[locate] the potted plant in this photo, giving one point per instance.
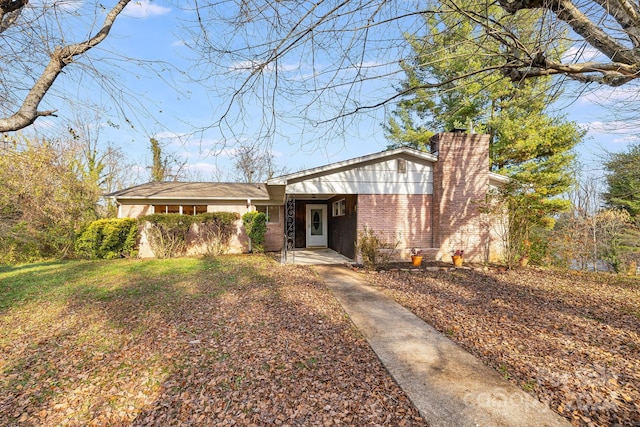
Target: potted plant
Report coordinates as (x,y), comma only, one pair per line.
(457,257)
(416,257)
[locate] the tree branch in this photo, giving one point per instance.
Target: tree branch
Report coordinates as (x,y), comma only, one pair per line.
(9,12)
(60,58)
(625,65)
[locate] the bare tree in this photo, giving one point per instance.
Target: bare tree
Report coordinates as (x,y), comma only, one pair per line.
(35,50)
(316,60)
(610,27)
(254,163)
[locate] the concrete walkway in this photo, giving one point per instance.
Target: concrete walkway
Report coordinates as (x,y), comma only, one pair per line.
(449,386)
(315,256)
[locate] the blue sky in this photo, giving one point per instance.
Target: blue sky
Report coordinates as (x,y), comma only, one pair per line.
(170,106)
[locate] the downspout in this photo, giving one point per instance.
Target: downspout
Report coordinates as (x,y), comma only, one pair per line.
(433,204)
(249,210)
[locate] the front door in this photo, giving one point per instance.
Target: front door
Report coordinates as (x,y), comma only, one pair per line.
(316,226)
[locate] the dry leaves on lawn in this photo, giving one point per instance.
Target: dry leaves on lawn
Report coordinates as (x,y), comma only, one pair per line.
(234,341)
(570,338)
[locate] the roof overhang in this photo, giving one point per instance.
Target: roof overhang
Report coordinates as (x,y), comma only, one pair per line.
(397,152)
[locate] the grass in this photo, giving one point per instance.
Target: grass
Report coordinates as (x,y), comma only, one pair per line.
(61,321)
(169,342)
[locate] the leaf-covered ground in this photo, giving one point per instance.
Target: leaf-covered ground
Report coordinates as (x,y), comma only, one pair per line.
(232,341)
(570,338)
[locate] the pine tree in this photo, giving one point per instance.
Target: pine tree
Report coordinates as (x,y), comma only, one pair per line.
(527,144)
(623,181)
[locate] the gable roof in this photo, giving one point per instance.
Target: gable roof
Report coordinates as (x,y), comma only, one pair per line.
(193,190)
(396,152)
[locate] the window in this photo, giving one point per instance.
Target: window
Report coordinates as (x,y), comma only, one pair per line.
(339,208)
(271,211)
(194,210)
(159,209)
(178,209)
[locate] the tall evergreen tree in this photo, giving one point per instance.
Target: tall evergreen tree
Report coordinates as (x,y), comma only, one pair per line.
(527,143)
(623,181)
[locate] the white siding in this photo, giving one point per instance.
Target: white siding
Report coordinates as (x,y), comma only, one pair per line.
(376,178)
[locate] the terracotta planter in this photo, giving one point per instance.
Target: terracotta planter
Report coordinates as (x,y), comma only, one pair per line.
(416,260)
(457,260)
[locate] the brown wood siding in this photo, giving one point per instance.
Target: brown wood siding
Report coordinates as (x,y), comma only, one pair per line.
(301,213)
(342,229)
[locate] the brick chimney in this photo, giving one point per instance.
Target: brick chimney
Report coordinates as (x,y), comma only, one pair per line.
(460,184)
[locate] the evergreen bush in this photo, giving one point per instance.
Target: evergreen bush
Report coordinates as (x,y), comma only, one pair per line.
(167,233)
(108,239)
(255,223)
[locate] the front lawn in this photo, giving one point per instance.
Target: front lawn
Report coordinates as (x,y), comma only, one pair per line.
(234,340)
(572,339)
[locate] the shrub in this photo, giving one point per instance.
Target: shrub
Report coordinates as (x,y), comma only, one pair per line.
(374,250)
(108,239)
(167,233)
(215,231)
(256,225)
(169,236)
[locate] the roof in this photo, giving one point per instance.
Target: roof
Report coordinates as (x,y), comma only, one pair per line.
(194,190)
(282,180)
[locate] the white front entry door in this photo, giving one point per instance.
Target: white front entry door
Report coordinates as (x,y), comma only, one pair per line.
(316,226)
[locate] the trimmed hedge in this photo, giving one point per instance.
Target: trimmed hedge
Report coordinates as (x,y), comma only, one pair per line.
(108,239)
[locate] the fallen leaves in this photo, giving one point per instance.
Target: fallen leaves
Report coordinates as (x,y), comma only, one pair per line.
(232,341)
(572,339)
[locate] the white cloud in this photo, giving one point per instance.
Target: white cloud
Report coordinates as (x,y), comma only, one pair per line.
(206,169)
(144,8)
(251,65)
(69,5)
(618,127)
(613,96)
(627,139)
(581,53)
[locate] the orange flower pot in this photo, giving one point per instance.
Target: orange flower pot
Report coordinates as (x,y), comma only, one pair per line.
(457,260)
(416,260)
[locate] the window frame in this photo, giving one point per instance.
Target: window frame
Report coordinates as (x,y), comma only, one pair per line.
(339,208)
(181,209)
(268,211)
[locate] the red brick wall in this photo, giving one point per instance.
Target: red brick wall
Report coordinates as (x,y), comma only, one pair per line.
(398,217)
(461,181)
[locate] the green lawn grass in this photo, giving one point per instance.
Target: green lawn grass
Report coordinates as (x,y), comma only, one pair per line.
(67,328)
